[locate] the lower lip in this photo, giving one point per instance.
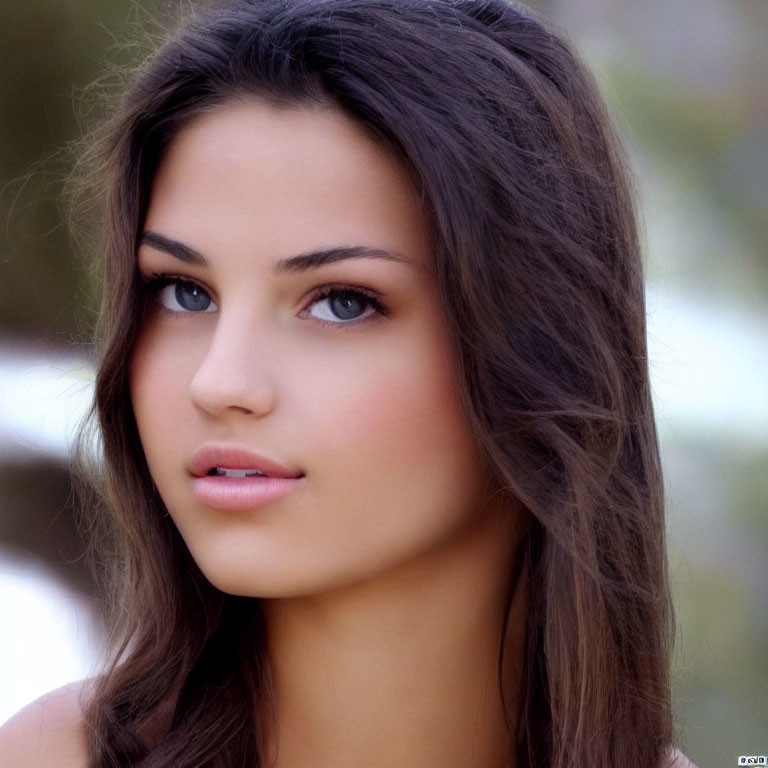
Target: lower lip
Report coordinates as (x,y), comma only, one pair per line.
(241,494)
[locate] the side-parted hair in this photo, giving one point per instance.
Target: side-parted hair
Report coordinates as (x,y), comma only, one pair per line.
(538,265)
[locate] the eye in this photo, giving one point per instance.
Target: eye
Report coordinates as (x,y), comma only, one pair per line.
(344,306)
(180,295)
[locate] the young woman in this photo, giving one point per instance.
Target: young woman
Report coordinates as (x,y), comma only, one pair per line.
(381,479)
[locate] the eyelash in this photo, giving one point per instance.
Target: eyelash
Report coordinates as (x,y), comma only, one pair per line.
(156,282)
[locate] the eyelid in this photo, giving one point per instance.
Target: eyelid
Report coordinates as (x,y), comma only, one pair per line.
(372,296)
(155,278)
(156,281)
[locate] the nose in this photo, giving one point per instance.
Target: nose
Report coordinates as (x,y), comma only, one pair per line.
(235,374)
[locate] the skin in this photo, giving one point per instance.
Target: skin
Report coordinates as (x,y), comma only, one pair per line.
(383,578)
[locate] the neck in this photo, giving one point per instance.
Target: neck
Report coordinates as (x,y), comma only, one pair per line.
(403,669)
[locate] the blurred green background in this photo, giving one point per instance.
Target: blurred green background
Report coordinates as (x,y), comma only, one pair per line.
(685,81)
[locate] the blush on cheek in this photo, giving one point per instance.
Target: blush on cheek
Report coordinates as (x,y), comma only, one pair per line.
(409,416)
(157,382)
(162,365)
(143,373)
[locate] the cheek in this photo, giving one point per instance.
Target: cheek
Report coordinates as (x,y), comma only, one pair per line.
(409,413)
(395,423)
(161,368)
(398,472)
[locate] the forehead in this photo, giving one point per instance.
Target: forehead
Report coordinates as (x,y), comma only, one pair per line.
(290,178)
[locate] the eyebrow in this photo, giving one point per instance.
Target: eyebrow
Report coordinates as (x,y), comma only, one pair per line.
(300,263)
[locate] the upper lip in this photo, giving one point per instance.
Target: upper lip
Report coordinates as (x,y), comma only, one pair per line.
(234,456)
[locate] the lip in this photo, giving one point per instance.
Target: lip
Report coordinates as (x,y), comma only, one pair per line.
(242,494)
(239,494)
(235,456)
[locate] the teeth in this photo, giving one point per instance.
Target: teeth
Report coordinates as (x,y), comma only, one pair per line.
(226,472)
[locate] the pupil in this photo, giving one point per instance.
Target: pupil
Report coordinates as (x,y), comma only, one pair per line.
(192,297)
(344,301)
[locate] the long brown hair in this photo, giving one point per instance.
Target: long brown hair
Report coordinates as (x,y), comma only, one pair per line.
(537,260)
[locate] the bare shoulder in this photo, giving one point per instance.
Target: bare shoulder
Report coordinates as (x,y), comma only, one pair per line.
(48,732)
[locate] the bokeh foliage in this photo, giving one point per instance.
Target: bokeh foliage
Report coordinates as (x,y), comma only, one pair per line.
(62,63)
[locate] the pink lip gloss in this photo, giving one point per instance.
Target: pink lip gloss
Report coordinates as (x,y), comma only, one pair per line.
(242,494)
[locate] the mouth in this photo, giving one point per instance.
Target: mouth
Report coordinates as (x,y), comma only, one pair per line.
(237,473)
(237,461)
(235,479)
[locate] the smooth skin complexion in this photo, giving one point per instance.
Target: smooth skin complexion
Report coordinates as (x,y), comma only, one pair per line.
(383,574)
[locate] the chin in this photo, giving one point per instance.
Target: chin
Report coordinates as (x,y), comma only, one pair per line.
(275,582)
(243,583)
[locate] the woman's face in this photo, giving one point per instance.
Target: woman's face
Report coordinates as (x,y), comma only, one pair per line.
(237,357)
